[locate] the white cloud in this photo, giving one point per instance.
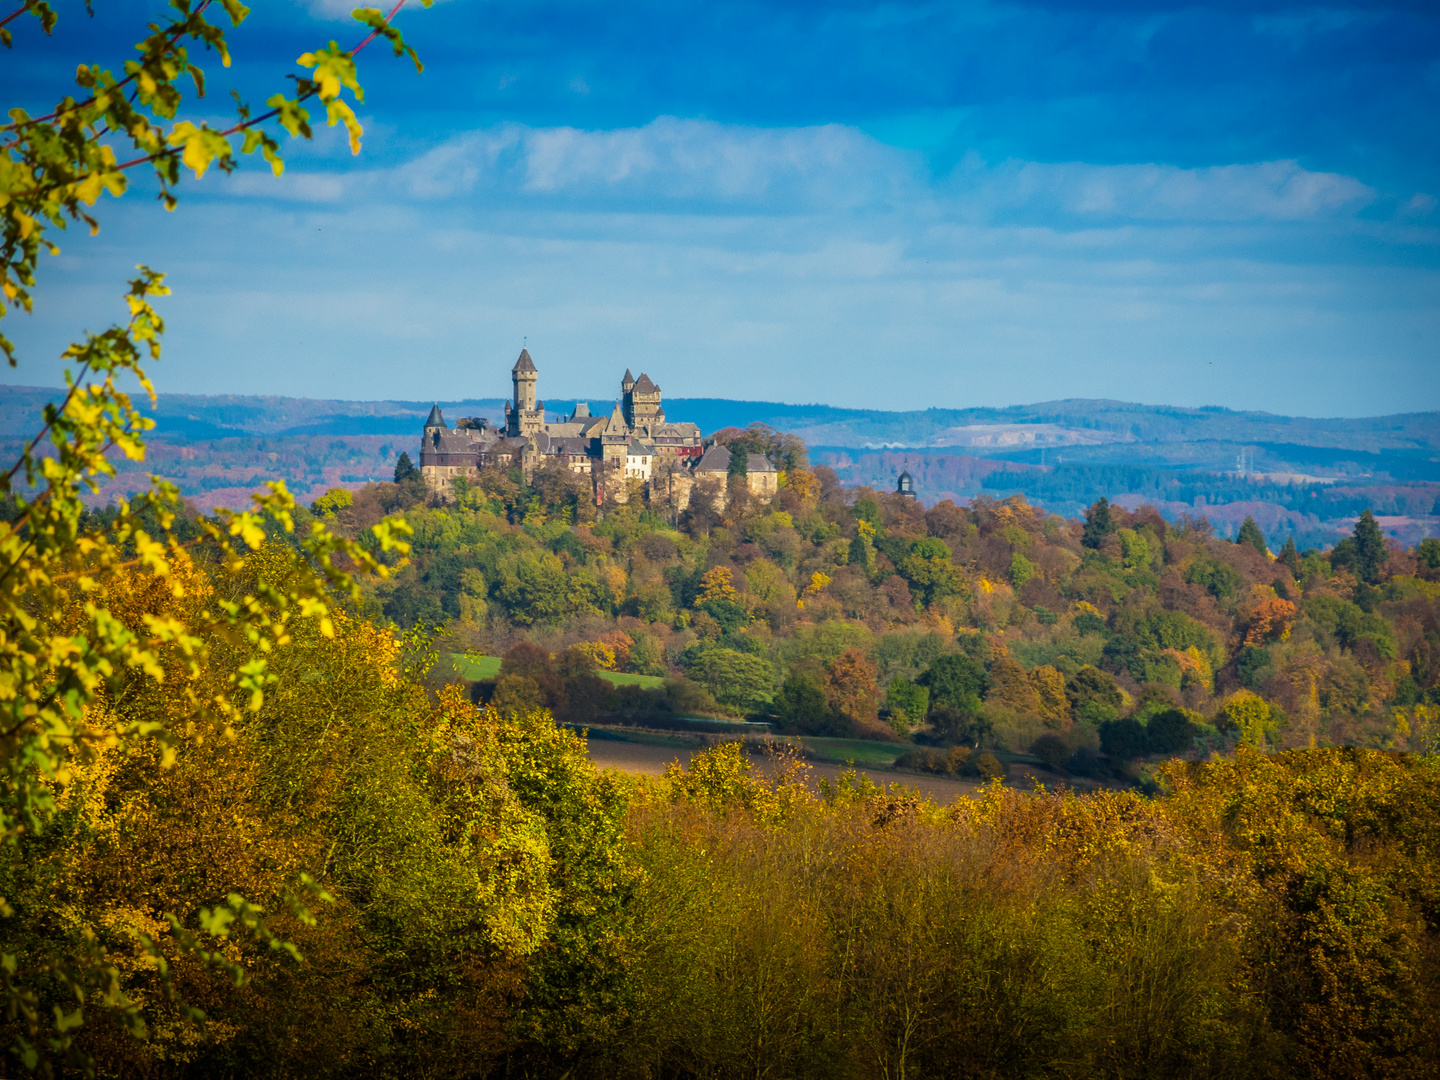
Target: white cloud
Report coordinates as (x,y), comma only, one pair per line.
(829,167)
(1265,191)
(670,160)
(699,167)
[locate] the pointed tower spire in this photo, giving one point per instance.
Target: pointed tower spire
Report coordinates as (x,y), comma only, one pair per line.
(435,419)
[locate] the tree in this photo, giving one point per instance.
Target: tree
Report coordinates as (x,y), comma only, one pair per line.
(67,653)
(850,686)
(1122,739)
(331,503)
(801,705)
(1370,554)
(1097,523)
(405,468)
(1429,553)
(735,678)
(1249,717)
(1250,534)
(907,703)
(1093,695)
(1169,732)
(1021,570)
(955,680)
(1291,557)
(928,570)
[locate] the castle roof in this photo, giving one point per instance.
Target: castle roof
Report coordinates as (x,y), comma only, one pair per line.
(617,420)
(435,419)
(628,377)
(758,463)
(716,459)
(446,442)
(645,386)
(639,449)
(582,410)
(524,363)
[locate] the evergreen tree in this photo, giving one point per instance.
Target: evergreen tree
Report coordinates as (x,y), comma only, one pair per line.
(1097,523)
(1370,553)
(1250,534)
(1291,557)
(739,462)
(404,468)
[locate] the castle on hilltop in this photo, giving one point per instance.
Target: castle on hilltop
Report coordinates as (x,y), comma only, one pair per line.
(634,448)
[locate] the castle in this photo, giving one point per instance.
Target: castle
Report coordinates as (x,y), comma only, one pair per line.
(634,448)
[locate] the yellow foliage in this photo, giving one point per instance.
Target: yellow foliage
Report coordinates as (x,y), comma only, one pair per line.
(718,584)
(817,585)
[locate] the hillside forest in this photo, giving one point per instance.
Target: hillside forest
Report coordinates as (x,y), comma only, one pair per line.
(847,612)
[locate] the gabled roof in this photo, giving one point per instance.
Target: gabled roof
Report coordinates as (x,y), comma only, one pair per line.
(644,386)
(617,420)
(639,449)
(716,459)
(524,363)
(435,419)
(758,463)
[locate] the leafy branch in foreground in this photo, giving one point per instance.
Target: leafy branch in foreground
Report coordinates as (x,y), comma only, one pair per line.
(56,166)
(78,656)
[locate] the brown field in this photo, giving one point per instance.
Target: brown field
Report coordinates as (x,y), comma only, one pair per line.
(645,760)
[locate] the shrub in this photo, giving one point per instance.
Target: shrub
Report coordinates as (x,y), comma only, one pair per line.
(1052,750)
(990,767)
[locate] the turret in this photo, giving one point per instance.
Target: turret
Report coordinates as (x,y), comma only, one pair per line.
(435,420)
(524,376)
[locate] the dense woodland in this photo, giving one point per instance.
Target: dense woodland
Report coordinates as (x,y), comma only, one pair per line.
(843,611)
(369,872)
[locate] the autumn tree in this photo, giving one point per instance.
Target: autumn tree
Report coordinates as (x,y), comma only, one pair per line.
(850,686)
(67,653)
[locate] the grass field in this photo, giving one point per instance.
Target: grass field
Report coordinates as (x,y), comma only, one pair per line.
(485,667)
(860,751)
(488,667)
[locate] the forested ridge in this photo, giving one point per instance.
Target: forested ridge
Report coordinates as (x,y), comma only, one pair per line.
(844,611)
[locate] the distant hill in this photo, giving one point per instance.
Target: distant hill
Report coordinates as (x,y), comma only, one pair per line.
(1307,477)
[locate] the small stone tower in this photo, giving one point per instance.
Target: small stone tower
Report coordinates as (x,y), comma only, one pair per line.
(525,416)
(906,484)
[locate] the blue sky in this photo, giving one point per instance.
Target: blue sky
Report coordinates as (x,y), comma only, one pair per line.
(893,206)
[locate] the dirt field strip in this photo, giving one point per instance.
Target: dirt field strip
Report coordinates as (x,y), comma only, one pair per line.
(643,760)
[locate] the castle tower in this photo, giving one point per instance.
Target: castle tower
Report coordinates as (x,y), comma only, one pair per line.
(642,404)
(525,416)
